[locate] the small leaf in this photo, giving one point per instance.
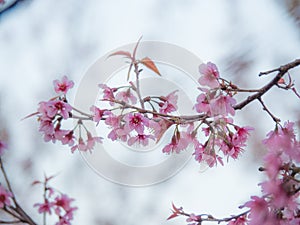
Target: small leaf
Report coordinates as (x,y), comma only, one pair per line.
(124,53)
(175,208)
(135,48)
(172,216)
(150,65)
(129,70)
(31,115)
(36,182)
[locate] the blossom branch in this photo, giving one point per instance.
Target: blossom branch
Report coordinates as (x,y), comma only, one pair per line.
(10,222)
(198,219)
(276,119)
(24,217)
(282,70)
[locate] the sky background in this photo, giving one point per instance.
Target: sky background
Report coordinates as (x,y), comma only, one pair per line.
(41,41)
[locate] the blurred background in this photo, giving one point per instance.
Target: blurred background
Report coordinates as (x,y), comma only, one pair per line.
(43,40)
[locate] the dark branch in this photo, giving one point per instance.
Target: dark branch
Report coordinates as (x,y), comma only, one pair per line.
(282,70)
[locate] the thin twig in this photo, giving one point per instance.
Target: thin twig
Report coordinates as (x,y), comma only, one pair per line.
(18,208)
(10,222)
(276,119)
(281,72)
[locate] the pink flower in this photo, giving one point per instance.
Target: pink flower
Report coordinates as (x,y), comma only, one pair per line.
(118,133)
(68,139)
(210,75)
(272,162)
(136,121)
(113,120)
(278,192)
(202,105)
(260,213)
(98,113)
(126,96)
(108,93)
(91,141)
(283,140)
(3,146)
(241,135)
(193,218)
(169,103)
(199,151)
(81,146)
(60,134)
(63,209)
(176,145)
(63,221)
(140,139)
(57,107)
(5,197)
(49,137)
(46,125)
(63,86)
(63,202)
(44,207)
(222,105)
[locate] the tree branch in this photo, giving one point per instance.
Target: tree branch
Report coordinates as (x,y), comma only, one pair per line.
(281,72)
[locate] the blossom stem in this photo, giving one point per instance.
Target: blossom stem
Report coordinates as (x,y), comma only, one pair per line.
(18,209)
(138,91)
(82,113)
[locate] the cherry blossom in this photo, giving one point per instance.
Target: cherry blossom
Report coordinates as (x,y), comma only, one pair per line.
(3,146)
(176,145)
(45,207)
(55,201)
(108,93)
(222,105)
(169,103)
(142,139)
(259,212)
(63,86)
(98,113)
(126,96)
(136,121)
(68,138)
(5,197)
(210,75)
(202,105)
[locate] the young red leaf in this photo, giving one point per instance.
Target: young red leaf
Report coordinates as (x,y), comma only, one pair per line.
(172,216)
(31,115)
(36,182)
(150,64)
(175,212)
(135,48)
(124,53)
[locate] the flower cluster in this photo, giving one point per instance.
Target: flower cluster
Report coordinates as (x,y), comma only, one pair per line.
(51,115)
(139,120)
(56,202)
(5,197)
(217,104)
(279,204)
